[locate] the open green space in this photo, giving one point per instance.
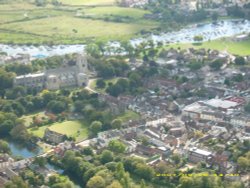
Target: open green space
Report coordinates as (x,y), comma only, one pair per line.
(71,23)
(76,129)
(233,47)
(87,2)
(28,119)
(128,115)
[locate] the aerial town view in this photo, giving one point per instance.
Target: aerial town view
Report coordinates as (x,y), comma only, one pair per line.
(124,93)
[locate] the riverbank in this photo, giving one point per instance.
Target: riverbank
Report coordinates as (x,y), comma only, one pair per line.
(214,37)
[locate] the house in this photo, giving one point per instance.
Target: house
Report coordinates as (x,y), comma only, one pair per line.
(177,132)
(197,155)
(242,121)
(54,137)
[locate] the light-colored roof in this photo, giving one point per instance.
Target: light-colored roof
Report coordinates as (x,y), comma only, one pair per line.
(219,103)
(201,152)
(30,75)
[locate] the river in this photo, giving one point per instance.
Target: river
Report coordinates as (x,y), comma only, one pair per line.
(209,31)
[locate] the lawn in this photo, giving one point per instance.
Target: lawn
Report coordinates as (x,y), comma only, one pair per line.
(115,11)
(237,48)
(76,129)
(128,115)
(28,119)
(76,28)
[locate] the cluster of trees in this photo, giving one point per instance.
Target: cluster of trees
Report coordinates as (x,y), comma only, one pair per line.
(173,16)
(29,178)
(111,68)
(106,169)
(20,102)
(6,81)
(216,64)
(133,84)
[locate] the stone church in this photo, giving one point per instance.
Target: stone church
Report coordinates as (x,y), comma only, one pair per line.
(53,79)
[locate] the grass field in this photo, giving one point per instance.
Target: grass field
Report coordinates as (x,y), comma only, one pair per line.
(71,23)
(87,2)
(76,129)
(237,48)
(128,115)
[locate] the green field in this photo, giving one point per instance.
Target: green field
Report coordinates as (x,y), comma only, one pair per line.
(28,119)
(87,2)
(128,115)
(73,22)
(237,48)
(76,129)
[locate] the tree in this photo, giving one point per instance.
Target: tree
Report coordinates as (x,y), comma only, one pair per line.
(144,171)
(142,184)
(56,106)
(176,158)
(243,163)
(16,182)
(96,182)
(215,16)
(240,60)
(95,127)
(115,184)
(116,124)
(198,38)
(40,2)
(6,126)
(41,161)
(87,151)
(186,182)
(116,146)
(20,133)
(106,156)
(216,65)
(4,147)
(100,83)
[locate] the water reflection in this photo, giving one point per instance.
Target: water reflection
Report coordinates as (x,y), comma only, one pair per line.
(24,151)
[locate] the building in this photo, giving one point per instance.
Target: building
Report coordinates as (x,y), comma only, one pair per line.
(197,155)
(54,137)
(54,79)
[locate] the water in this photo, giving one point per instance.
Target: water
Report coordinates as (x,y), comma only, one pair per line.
(37,52)
(209,31)
(55,168)
(23,151)
(61,171)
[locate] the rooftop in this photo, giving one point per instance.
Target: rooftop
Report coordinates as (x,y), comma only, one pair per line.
(201,152)
(219,103)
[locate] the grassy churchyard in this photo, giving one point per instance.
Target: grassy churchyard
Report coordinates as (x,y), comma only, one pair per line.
(76,129)
(74,21)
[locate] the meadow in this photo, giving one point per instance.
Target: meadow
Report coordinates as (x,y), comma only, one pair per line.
(73,22)
(237,48)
